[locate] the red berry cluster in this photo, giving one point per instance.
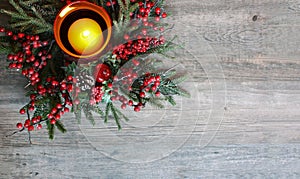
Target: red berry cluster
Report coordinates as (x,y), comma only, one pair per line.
(150,84)
(97,94)
(29,124)
(51,87)
(25,55)
(132,48)
(144,11)
(58,111)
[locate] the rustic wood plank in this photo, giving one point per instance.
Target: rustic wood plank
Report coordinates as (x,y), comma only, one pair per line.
(242,122)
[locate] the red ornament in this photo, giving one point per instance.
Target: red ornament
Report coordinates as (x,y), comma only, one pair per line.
(102,73)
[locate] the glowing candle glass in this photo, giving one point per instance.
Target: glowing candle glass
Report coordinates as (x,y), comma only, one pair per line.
(82,29)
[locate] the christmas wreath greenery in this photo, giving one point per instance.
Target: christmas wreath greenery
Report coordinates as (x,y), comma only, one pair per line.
(72,54)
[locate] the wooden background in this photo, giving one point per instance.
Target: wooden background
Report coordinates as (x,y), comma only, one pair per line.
(243,121)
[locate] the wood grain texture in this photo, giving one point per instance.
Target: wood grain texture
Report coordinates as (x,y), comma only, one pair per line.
(243,121)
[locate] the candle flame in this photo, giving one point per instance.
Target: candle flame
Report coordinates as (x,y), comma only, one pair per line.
(86,33)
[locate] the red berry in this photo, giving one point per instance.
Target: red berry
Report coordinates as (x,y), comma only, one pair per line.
(157,83)
(19,125)
(27,123)
(30,128)
(142,10)
(76,101)
(157,10)
(45,43)
(70,78)
(22,111)
(57,116)
(58,106)
(157,19)
(15,38)
(108,3)
(164,15)
(109,85)
(123,106)
(31,108)
(9,33)
(10,57)
(21,35)
(52,121)
(135,62)
(54,110)
(126,37)
(130,102)
(70,87)
(144,31)
(66,110)
(39,126)
(142,94)
(153,88)
(50,116)
(157,78)
(137,108)
(157,94)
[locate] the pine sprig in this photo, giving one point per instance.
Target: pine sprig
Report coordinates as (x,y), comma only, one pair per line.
(50,128)
(23,21)
(87,110)
(107,110)
(59,125)
(116,116)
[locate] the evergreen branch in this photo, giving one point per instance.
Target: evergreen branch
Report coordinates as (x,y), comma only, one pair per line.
(180,79)
(116,116)
(20,24)
(17,7)
(5,39)
(5,49)
(27,4)
(97,110)
(107,109)
(121,114)
(21,15)
(183,92)
(156,102)
(116,26)
(13,14)
(77,113)
(88,114)
(59,125)
(37,14)
(171,100)
(50,128)
(168,74)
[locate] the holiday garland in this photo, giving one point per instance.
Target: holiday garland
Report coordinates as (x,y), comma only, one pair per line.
(60,81)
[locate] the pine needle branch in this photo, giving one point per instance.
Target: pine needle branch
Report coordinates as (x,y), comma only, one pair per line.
(59,125)
(107,109)
(116,116)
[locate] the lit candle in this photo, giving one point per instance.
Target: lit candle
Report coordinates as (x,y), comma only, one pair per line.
(85,36)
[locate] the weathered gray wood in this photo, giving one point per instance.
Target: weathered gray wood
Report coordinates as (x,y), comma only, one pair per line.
(242,122)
